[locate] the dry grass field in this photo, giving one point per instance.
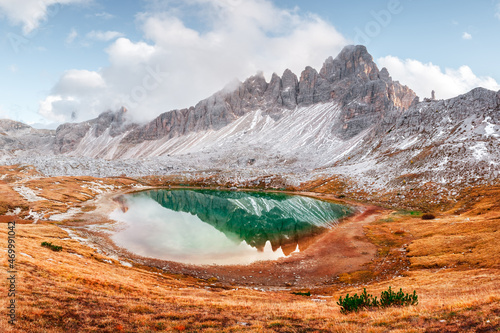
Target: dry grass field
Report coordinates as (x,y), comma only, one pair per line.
(452,261)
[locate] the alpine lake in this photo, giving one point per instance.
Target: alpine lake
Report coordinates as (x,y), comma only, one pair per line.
(205,227)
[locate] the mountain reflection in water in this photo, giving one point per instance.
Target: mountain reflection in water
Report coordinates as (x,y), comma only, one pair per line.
(232,221)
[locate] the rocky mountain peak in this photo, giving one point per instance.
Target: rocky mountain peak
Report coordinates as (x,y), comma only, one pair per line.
(350,118)
(290,89)
(351,61)
(350,81)
(12,125)
(114,120)
(384,75)
(69,135)
(307,87)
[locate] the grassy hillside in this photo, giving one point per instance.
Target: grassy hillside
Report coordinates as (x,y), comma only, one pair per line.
(451,261)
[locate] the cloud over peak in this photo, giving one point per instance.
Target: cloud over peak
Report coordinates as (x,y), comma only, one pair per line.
(176,65)
(423,78)
(103,36)
(191,49)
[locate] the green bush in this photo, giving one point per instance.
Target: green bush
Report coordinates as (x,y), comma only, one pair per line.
(355,302)
(365,300)
(52,246)
(389,297)
(408,212)
(302,293)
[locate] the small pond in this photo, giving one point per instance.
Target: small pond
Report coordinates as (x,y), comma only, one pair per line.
(220,227)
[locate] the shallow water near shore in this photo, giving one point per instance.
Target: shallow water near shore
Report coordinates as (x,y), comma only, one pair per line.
(220,227)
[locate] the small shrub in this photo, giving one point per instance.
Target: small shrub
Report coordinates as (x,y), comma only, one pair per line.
(355,302)
(387,298)
(52,246)
(300,293)
(428,216)
(407,212)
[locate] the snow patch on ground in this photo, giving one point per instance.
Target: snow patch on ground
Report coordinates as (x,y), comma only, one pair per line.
(98,188)
(16,211)
(407,143)
(64,216)
(27,193)
(125,263)
(479,150)
(73,235)
(490,128)
(35,216)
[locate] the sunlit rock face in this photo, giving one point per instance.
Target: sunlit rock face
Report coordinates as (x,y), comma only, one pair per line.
(348,119)
(351,82)
(205,227)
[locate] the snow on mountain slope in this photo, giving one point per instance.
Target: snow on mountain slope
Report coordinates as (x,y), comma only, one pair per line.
(305,133)
(349,119)
(17,138)
(450,142)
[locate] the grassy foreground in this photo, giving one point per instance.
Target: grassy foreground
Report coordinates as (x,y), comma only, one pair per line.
(453,262)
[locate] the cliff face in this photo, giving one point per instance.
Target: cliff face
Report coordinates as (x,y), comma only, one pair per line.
(349,118)
(68,136)
(17,138)
(352,80)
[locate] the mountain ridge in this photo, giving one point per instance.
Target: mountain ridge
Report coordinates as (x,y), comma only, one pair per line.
(351,75)
(350,118)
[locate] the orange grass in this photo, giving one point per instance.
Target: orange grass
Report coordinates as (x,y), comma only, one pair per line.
(452,263)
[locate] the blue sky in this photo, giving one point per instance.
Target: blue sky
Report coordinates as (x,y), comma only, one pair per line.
(69,60)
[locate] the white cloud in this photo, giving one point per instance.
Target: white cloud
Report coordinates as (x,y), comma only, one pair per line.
(31,13)
(13,68)
(178,66)
(71,36)
(64,105)
(47,109)
(104,15)
(81,80)
(497,10)
(103,36)
(466,36)
(423,78)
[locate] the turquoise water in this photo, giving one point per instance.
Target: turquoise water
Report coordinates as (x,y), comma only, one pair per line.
(220,227)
